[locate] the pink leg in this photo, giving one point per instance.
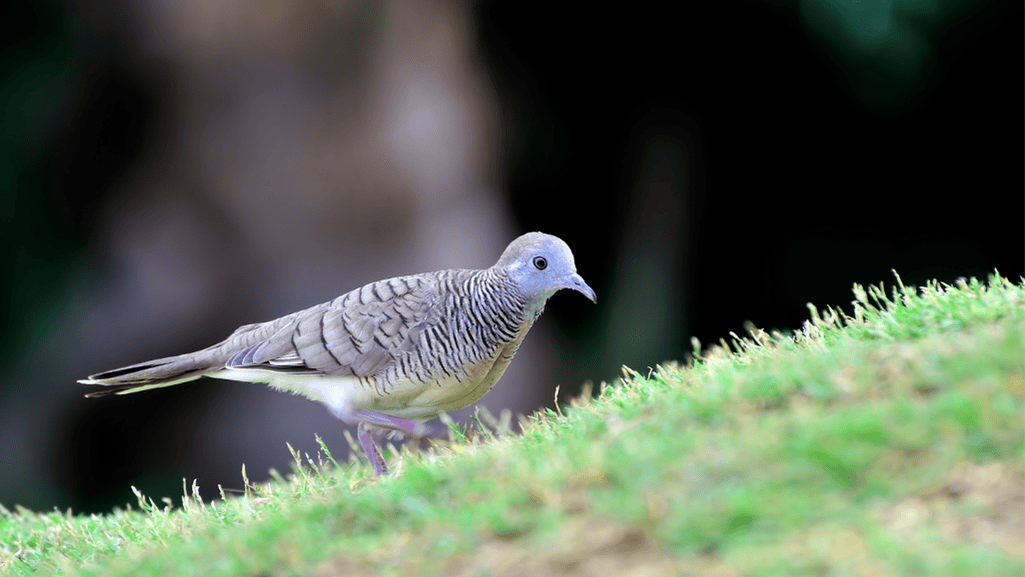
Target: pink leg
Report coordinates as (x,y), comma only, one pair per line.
(365,419)
(370,448)
(411,428)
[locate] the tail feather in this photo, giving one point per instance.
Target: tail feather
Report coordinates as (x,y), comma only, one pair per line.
(154,374)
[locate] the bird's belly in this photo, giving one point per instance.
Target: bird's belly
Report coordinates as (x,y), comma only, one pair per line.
(445,394)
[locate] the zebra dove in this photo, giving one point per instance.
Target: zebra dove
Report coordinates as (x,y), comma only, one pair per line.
(391,354)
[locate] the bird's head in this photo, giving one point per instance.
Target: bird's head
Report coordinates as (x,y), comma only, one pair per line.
(542,264)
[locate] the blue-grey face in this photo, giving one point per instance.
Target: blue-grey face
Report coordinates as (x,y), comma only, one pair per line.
(543,264)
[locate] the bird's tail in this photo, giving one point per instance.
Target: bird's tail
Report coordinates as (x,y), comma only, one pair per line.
(155,374)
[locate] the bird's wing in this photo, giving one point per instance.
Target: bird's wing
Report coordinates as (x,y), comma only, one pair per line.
(359,334)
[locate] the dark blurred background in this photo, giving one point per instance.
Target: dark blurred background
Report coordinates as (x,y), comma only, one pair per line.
(172,170)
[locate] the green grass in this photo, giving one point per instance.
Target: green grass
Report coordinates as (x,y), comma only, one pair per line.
(889,442)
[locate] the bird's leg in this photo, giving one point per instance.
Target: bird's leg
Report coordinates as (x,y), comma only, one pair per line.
(366,440)
(366,418)
(411,428)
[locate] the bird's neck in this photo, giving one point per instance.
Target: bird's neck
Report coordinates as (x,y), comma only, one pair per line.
(504,287)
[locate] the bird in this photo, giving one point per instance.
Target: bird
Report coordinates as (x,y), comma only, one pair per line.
(392,354)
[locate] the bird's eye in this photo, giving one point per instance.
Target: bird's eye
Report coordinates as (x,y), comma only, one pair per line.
(540,263)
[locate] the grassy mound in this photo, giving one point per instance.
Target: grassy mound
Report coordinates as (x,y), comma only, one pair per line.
(889,442)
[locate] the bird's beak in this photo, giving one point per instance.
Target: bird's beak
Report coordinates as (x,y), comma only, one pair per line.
(576,282)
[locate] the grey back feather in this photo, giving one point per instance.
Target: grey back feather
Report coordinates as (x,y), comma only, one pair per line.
(391,329)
